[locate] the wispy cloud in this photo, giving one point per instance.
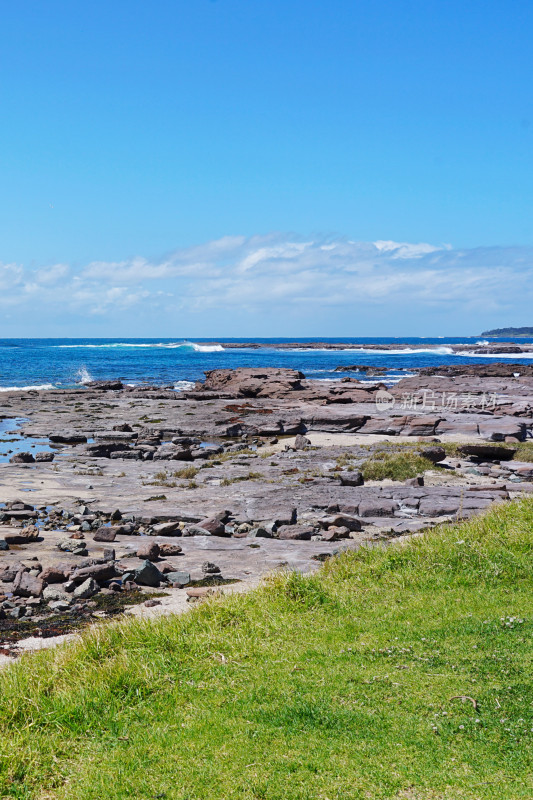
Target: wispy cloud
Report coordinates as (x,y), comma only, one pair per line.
(284,273)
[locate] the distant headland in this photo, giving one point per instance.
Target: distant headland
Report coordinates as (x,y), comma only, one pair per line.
(509,332)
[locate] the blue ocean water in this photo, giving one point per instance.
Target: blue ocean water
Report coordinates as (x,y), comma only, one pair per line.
(61,363)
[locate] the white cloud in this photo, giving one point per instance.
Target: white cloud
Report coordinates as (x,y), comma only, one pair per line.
(280,273)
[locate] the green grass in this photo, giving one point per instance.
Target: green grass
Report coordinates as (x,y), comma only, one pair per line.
(396,466)
(340,686)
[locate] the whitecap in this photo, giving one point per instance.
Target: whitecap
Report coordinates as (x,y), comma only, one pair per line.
(38,388)
(183,386)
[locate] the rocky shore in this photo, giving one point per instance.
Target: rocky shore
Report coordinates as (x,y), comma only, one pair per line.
(115,495)
(479,348)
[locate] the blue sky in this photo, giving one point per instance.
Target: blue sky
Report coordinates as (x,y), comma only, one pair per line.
(226,167)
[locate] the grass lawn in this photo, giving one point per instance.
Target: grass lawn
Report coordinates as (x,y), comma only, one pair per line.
(402,673)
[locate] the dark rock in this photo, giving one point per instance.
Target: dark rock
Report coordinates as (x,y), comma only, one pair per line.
(22,536)
(354,478)
(487,452)
(417,481)
(433,454)
(105,534)
(340,520)
(68,438)
(208,568)
(3,545)
(22,458)
(149,575)
(105,386)
(44,457)
(214,526)
(295,532)
(301,442)
(259,533)
(100,573)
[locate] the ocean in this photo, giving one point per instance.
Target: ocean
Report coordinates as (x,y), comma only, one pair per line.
(66,363)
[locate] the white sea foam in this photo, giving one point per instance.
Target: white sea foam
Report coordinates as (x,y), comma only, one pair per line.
(38,388)
(512,356)
(198,348)
(183,386)
(440,351)
(83,375)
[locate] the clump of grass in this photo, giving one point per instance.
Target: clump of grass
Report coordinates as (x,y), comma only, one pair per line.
(344,460)
(186,472)
(250,476)
(391,673)
(161,478)
(221,458)
(395,466)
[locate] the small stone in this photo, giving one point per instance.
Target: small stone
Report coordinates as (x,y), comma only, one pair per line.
(104,534)
(86,589)
(53,593)
(259,533)
(301,442)
(208,568)
(43,457)
(167,529)
(148,551)
(169,549)
(3,545)
(59,605)
(53,575)
(178,578)
(433,454)
(354,478)
(214,526)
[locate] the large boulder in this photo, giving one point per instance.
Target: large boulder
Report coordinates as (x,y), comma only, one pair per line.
(22,536)
(26,585)
(148,575)
(487,452)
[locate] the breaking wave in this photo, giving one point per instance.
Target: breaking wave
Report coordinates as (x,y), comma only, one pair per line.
(512,356)
(183,386)
(83,375)
(38,388)
(192,346)
(439,351)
